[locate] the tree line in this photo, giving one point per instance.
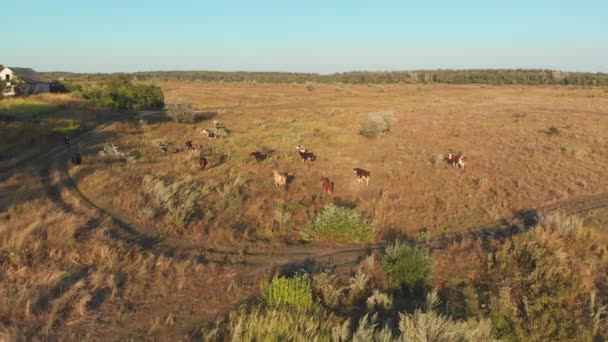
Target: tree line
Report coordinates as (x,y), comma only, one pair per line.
(480,76)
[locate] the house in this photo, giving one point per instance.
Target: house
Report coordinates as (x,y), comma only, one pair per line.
(23,81)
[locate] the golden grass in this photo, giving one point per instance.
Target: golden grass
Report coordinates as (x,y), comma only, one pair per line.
(513,164)
(66,274)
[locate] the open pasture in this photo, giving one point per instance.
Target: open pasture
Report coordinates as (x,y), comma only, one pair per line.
(525,147)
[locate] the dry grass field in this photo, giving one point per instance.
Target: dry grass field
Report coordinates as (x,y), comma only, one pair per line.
(527,147)
(139,245)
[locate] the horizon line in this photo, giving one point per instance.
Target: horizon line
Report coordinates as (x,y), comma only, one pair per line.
(321,73)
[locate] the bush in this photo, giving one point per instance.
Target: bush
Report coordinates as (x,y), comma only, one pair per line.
(295,292)
(376,124)
(181,112)
(277,325)
(340,224)
(119,94)
(181,199)
(544,283)
(146,97)
(406,266)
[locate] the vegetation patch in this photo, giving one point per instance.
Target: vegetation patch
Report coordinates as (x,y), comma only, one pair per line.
(406,266)
(294,292)
(377,124)
(119,94)
(181,199)
(21,107)
(181,112)
(340,224)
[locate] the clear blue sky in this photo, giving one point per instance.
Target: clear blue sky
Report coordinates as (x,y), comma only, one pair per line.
(304,36)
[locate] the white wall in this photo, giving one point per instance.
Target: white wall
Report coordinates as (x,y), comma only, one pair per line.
(4,72)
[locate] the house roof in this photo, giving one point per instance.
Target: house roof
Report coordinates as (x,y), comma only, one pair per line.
(28,75)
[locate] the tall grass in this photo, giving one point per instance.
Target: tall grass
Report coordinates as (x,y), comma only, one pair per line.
(181,199)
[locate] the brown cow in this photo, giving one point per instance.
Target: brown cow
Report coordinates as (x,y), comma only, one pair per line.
(362,175)
(457,160)
(202,162)
(327,186)
(258,156)
(280,179)
(190,147)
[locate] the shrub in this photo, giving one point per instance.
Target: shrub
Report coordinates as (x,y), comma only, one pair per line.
(340,224)
(431,326)
(146,97)
(119,94)
(376,124)
(181,199)
(181,112)
(406,266)
(544,293)
(310,86)
(295,292)
(279,325)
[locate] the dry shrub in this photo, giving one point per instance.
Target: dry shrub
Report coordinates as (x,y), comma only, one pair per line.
(181,199)
(310,86)
(181,112)
(545,279)
(377,124)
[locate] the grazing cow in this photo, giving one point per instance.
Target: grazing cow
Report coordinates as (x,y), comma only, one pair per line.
(301,149)
(327,186)
(308,157)
(163,147)
(210,135)
(457,160)
(218,125)
(280,179)
(76,159)
(258,156)
(66,141)
(362,175)
(191,147)
(202,162)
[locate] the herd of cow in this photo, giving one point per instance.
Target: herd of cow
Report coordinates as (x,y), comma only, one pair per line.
(280,178)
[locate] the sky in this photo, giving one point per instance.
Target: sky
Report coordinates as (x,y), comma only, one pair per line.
(303,36)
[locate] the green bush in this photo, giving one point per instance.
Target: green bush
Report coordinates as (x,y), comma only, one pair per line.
(295,292)
(406,266)
(340,224)
(119,94)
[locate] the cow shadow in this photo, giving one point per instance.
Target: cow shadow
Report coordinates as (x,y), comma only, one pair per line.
(290,179)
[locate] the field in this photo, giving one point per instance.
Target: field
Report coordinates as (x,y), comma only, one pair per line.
(136,244)
(527,147)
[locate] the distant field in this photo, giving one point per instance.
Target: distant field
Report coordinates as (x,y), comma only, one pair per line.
(527,146)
